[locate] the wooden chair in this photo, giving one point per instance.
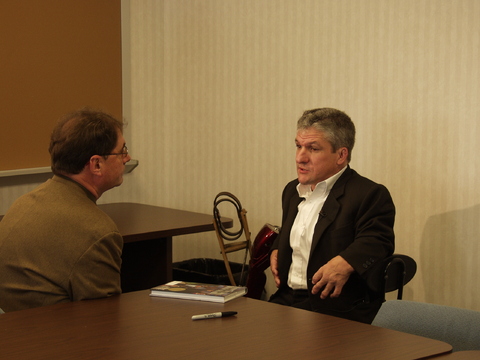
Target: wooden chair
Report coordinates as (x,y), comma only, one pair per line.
(227,239)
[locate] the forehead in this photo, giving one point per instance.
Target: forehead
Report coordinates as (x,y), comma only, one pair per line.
(120,139)
(120,135)
(309,135)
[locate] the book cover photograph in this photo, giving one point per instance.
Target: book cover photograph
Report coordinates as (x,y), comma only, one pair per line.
(198,291)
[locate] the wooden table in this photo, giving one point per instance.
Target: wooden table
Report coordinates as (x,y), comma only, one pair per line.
(136,326)
(147,233)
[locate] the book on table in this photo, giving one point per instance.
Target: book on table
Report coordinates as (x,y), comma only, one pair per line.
(198,291)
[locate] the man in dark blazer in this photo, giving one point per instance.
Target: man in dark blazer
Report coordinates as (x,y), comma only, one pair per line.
(336,225)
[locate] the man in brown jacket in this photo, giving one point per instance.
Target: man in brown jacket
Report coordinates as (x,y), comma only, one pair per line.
(56,245)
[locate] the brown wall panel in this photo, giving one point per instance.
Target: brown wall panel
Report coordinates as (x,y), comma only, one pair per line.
(55,56)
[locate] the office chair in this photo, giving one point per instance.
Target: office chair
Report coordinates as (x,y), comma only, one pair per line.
(226,238)
(455,326)
(392,274)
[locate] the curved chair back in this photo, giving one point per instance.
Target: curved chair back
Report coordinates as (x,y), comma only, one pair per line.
(227,238)
(457,327)
(392,274)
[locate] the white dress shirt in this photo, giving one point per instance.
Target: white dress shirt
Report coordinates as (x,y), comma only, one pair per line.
(301,234)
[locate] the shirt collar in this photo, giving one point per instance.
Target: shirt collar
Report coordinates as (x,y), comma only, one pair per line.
(305,191)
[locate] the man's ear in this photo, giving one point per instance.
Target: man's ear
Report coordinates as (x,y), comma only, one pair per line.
(95,164)
(342,155)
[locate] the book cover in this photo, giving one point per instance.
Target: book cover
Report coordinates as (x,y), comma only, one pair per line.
(198,291)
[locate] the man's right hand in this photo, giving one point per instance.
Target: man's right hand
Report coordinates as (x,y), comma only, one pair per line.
(274,267)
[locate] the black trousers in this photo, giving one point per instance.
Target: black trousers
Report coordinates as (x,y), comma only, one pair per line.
(364,311)
(294,298)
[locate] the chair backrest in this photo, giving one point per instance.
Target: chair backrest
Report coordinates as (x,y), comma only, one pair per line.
(457,327)
(227,239)
(392,274)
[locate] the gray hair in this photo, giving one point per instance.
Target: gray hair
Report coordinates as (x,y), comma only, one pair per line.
(336,126)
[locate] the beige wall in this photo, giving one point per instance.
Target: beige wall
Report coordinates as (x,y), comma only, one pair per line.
(214,88)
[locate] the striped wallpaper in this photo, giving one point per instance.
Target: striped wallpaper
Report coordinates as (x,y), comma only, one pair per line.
(213,89)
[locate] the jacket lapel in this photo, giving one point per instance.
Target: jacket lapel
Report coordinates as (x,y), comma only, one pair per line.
(330,209)
(292,211)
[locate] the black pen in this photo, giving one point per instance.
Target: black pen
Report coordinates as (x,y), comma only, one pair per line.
(214,315)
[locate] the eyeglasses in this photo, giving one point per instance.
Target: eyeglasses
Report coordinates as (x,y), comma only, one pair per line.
(124,152)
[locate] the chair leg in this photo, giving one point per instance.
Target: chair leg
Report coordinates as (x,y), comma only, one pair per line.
(224,254)
(401,281)
(397,269)
(229,270)
(246,231)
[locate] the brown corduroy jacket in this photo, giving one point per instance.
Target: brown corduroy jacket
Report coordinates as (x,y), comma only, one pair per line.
(56,245)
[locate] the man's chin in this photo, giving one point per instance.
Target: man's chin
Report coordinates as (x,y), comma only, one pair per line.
(119,182)
(302,180)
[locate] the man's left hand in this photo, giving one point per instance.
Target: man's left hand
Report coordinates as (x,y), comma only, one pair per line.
(333,275)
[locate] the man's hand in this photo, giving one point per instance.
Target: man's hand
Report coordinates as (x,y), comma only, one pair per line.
(333,275)
(274,267)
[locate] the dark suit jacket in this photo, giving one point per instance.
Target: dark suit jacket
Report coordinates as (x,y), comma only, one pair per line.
(356,222)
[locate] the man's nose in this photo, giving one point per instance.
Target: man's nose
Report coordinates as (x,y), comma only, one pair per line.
(301,156)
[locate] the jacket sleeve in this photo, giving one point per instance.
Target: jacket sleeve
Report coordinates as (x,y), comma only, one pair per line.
(97,272)
(374,236)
